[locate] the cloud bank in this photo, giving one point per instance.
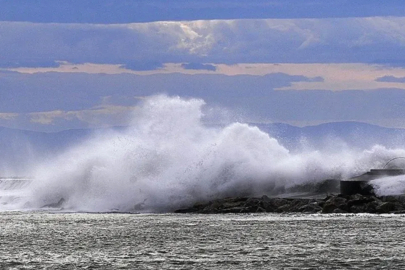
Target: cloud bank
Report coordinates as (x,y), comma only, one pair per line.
(343,40)
(65,75)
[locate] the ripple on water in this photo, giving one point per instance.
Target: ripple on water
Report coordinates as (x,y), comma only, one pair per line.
(35,240)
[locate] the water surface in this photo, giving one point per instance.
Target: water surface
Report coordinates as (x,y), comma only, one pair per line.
(43,240)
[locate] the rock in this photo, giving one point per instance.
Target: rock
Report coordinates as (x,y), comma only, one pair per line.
(371,207)
(338,211)
(329,208)
(358,199)
(264,198)
(260,210)
(356,203)
(385,207)
(358,209)
(389,199)
(399,201)
(235,210)
(271,205)
(283,208)
(58,204)
(399,206)
(333,203)
(185,210)
(310,208)
(296,204)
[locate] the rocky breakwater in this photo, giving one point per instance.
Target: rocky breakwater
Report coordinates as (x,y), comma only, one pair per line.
(356,203)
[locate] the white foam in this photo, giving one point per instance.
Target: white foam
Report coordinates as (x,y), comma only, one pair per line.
(168,158)
(393,185)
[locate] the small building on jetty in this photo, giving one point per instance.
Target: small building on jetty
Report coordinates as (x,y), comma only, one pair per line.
(361,184)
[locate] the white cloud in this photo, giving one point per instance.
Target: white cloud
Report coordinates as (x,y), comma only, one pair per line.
(221,41)
(340,51)
(335,77)
(8,116)
(99,116)
(46,118)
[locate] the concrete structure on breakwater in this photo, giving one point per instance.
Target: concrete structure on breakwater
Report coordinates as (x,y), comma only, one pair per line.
(353,195)
(361,184)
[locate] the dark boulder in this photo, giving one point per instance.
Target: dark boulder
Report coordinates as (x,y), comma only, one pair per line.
(313,207)
(371,207)
(334,202)
(339,211)
(385,207)
(359,199)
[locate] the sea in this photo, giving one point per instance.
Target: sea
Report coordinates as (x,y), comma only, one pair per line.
(63,240)
(71,209)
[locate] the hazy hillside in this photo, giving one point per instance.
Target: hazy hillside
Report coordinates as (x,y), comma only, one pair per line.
(354,134)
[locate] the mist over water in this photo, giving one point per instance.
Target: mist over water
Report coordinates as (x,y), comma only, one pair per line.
(169,158)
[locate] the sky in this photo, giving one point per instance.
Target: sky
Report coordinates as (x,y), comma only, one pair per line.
(87,64)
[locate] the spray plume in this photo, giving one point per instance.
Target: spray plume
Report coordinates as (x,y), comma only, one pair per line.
(169,158)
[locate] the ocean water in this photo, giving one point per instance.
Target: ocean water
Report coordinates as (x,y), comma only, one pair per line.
(169,158)
(45,240)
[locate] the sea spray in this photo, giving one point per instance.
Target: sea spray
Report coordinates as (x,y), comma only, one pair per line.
(389,186)
(168,158)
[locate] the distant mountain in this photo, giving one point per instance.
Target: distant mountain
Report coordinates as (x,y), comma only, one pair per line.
(353,134)
(18,148)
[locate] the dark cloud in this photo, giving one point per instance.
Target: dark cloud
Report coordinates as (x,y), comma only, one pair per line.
(316,79)
(398,61)
(391,79)
(142,66)
(199,66)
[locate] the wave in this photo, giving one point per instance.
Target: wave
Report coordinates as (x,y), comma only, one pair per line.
(168,158)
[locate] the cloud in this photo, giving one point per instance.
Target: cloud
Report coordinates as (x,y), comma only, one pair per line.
(382,107)
(104,115)
(317,76)
(142,66)
(8,116)
(199,66)
(146,45)
(56,101)
(46,118)
(391,79)
(99,116)
(316,79)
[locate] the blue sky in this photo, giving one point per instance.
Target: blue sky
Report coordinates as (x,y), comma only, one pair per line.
(78,64)
(128,11)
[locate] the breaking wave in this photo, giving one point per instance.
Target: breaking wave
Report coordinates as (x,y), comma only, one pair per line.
(168,158)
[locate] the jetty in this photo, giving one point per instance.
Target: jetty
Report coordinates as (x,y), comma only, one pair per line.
(353,195)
